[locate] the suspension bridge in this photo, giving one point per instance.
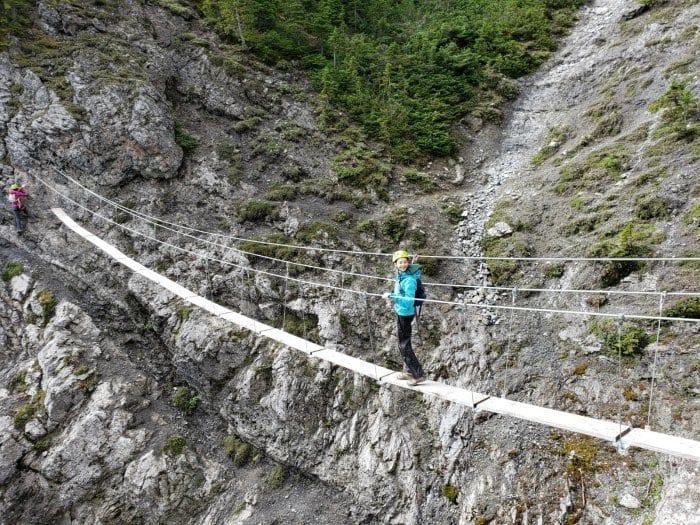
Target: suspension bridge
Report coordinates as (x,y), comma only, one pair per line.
(622,436)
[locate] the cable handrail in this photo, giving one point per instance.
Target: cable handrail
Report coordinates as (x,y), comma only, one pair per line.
(372,294)
(355,274)
(358,252)
(160,223)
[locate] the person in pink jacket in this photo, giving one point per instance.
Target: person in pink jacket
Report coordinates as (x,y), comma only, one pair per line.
(18,197)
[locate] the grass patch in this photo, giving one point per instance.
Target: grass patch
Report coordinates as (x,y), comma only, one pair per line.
(12,269)
(596,172)
(555,139)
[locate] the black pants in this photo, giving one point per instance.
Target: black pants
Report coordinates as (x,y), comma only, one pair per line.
(410,360)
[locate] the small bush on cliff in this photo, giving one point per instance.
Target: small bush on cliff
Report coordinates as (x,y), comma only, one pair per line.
(629,339)
(186,400)
(186,141)
(256,210)
(276,478)
(450,492)
(688,308)
(239,451)
(174,446)
(48,305)
(12,269)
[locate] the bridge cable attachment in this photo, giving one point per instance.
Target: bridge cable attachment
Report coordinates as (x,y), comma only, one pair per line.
(656,354)
(619,323)
(371,340)
(284,297)
(303,316)
(467,327)
(510,331)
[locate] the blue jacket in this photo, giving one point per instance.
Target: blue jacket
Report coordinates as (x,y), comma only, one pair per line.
(405,290)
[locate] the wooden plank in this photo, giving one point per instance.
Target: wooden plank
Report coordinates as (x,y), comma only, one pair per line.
(603,429)
(356,365)
(290,340)
(599,428)
(664,443)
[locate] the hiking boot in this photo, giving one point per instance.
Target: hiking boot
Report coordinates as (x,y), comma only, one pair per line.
(416,380)
(403,376)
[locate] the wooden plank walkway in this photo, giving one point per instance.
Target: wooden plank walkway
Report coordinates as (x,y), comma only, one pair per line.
(623,436)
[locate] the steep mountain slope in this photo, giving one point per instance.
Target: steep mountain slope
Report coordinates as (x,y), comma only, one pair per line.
(119,404)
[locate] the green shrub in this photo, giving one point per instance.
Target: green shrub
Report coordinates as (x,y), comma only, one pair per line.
(422,180)
(512,246)
(12,269)
(282,192)
(450,492)
(394,224)
(19,382)
(595,172)
(688,308)
(306,326)
(407,72)
(25,413)
(360,168)
(259,246)
(186,400)
(294,173)
(48,306)
(42,444)
(256,210)
(554,140)
(367,226)
(239,451)
(341,216)
(452,210)
(228,152)
(632,241)
(679,113)
(650,207)
(554,270)
(631,339)
(692,218)
(317,231)
(430,267)
(187,142)
(276,478)
(174,446)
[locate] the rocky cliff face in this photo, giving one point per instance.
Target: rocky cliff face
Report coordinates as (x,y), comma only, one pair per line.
(120,404)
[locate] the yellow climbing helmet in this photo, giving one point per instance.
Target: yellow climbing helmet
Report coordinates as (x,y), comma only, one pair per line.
(14,187)
(399,254)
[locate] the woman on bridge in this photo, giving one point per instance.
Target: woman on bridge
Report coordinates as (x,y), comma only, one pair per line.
(404,295)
